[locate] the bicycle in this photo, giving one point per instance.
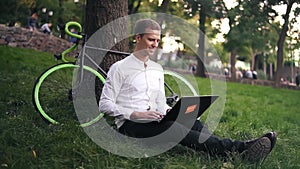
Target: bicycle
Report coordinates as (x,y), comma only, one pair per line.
(53,91)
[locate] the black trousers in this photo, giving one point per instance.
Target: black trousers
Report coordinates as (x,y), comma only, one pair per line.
(198,137)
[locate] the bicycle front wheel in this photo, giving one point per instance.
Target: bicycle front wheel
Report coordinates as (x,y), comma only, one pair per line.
(53,93)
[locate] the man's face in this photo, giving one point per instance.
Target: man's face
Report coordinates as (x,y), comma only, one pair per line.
(147,44)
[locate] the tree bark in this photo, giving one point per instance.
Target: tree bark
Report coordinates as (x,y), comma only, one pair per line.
(100,13)
(232,63)
(201,49)
(253,59)
(60,21)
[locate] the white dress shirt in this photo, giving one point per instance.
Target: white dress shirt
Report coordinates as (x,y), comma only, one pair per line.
(132,85)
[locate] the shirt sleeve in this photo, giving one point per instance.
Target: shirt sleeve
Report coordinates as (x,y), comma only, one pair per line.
(161,98)
(112,87)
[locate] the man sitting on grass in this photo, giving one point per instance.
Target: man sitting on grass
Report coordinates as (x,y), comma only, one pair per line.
(134,91)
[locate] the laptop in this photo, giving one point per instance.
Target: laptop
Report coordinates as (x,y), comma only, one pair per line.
(189,108)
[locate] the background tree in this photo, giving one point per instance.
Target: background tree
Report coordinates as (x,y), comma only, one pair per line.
(205,9)
(265,13)
(12,11)
(261,15)
(282,37)
(133,6)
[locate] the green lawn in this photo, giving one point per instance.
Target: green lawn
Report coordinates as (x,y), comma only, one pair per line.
(249,112)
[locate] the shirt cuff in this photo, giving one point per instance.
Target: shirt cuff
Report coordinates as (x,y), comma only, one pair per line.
(126,113)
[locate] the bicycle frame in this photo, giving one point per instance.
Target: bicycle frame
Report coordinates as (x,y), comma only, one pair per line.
(84,55)
(85,62)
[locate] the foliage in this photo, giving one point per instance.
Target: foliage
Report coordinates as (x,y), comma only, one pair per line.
(222,53)
(28,3)
(13,11)
(261,75)
(256,18)
(249,29)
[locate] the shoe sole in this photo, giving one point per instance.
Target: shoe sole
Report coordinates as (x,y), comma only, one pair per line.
(273,137)
(258,150)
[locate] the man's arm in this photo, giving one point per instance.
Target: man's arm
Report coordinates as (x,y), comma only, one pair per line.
(149,115)
(111,89)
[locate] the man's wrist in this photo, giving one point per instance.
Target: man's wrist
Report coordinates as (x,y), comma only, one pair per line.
(133,115)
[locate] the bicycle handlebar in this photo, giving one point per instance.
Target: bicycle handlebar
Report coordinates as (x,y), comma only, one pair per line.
(75,24)
(75,35)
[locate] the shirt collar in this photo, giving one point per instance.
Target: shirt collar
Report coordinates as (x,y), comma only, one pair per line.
(139,61)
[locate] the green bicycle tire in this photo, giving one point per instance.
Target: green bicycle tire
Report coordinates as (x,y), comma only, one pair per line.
(41,79)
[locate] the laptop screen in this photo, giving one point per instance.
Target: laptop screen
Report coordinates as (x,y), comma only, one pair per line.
(190,107)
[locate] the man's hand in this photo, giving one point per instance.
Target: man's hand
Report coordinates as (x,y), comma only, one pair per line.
(151,115)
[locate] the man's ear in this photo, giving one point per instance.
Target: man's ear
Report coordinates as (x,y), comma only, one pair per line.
(138,38)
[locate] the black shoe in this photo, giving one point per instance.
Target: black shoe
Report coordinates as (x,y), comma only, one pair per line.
(273,137)
(258,149)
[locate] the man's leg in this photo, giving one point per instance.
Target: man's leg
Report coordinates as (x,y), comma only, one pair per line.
(200,138)
(189,137)
(144,130)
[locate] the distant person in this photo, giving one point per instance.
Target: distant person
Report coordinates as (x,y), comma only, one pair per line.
(249,74)
(32,21)
(284,81)
(244,73)
(46,28)
(254,74)
(73,39)
(298,79)
(193,67)
(11,23)
(226,72)
(239,75)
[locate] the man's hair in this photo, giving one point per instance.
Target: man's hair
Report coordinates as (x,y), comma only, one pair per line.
(142,24)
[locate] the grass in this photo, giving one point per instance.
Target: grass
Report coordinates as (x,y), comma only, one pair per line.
(26,141)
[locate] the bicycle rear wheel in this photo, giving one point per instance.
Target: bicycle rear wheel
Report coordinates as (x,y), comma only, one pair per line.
(177,86)
(53,93)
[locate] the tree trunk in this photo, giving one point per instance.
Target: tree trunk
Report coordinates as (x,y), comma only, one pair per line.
(164,6)
(160,20)
(280,44)
(163,9)
(60,21)
(133,9)
(201,49)
(98,14)
(232,63)
(271,71)
(253,59)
